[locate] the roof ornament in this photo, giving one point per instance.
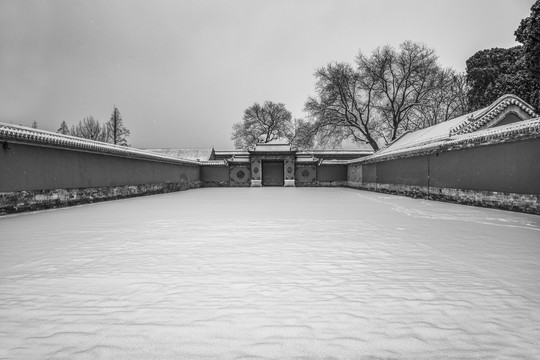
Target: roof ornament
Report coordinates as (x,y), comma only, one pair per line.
(484,116)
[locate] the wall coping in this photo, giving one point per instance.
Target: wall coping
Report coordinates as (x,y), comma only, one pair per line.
(316,152)
(22,134)
(333,162)
(214,163)
(520,131)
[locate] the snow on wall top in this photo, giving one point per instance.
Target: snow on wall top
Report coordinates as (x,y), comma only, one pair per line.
(15,133)
(339,152)
(214,163)
(512,132)
(192,154)
(272,146)
(453,131)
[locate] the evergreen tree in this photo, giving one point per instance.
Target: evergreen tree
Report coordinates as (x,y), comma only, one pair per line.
(34,125)
(117,133)
(495,72)
(528,33)
(64,130)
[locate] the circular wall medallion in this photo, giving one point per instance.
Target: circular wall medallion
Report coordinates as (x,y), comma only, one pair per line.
(305,173)
(240,174)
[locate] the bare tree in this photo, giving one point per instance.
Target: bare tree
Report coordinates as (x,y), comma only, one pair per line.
(90,128)
(303,136)
(447,100)
(388,93)
(344,107)
(402,81)
(262,123)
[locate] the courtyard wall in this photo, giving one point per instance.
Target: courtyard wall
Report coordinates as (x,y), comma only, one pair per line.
(479,171)
(215,175)
(43,170)
(331,175)
(498,168)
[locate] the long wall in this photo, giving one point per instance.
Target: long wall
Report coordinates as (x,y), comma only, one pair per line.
(504,175)
(42,170)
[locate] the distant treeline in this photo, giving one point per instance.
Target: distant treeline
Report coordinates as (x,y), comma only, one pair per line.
(113,131)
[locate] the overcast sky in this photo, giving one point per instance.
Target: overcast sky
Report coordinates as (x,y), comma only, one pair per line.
(182,72)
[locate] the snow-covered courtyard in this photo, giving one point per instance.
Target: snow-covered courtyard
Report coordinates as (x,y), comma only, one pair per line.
(270,273)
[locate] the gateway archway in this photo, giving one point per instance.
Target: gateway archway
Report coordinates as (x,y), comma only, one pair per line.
(272,164)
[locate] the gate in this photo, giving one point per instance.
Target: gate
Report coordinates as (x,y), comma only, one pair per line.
(273,173)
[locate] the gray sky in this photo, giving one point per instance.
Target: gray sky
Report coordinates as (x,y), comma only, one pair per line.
(182,72)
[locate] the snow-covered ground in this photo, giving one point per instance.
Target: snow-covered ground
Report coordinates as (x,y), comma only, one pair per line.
(270,273)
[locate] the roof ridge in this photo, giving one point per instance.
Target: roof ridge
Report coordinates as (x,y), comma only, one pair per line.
(472,122)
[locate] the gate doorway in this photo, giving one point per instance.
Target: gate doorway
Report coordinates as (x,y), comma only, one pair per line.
(273,173)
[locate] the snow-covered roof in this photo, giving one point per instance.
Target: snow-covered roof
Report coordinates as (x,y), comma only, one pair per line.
(306,159)
(333,162)
(23,134)
(272,146)
(230,152)
(238,159)
(334,154)
(214,163)
(452,130)
(521,130)
(335,151)
(192,154)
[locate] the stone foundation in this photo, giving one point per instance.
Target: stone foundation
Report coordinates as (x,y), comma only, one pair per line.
(20,201)
(322,184)
(354,184)
(215,183)
(527,203)
(406,190)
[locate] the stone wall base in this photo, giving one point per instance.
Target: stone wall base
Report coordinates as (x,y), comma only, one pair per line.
(527,203)
(241,184)
(215,184)
(305,184)
(322,184)
(354,184)
(20,201)
(406,190)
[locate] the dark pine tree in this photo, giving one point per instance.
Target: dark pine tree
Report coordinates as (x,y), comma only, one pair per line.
(117,133)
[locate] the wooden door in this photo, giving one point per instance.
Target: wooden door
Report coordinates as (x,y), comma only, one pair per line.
(273,173)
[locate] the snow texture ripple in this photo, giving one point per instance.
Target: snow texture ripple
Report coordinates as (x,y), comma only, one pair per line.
(270,273)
